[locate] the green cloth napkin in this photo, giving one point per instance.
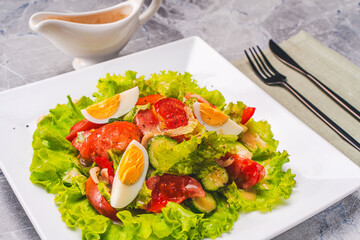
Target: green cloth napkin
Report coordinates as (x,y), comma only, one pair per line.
(332,69)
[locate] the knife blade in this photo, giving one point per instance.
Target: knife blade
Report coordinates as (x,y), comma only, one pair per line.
(286,59)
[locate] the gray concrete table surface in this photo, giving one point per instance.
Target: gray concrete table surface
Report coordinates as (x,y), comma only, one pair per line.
(228,26)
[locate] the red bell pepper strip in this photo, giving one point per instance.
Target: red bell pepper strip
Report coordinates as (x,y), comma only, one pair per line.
(247,114)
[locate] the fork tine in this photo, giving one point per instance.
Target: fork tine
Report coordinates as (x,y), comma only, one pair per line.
(262,63)
(258,64)
(269,64)
(254,67)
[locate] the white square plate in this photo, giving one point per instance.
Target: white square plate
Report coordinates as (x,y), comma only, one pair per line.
(324,175)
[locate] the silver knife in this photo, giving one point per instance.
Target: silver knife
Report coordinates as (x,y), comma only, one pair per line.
(285,58)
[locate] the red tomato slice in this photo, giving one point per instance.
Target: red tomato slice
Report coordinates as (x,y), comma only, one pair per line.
(83,125)
(104,163)
(199,98)
(245,172)
(149,99)
(79,140)
(114,135)
(146,121)
(171,188)
(98,201)
(171,112)
(247,114)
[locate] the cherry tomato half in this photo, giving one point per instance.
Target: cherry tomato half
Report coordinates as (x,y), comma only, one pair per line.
(245,172)
(171,188)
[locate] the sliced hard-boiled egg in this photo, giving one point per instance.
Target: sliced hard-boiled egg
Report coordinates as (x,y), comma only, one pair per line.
(113,107)
(130,175)
(215,120)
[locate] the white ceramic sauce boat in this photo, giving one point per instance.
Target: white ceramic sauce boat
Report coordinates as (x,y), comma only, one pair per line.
(96,36)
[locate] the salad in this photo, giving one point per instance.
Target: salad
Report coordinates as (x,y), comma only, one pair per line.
(157,158)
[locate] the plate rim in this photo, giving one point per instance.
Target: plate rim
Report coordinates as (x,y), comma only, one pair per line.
(192,40)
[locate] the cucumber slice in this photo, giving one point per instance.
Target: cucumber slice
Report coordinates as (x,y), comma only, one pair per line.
(154,143)
(206,204)
(215,179)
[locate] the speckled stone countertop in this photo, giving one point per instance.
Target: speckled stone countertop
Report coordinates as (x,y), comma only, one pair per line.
(228,26)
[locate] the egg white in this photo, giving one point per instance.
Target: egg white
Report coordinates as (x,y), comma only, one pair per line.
(122,194)
(127,99)
(228,128)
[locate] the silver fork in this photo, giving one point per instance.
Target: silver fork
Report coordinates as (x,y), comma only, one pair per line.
(268,74)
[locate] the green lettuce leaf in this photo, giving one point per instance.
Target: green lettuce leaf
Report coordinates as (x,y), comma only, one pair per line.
(49,167)
(176,85)
(65,116)
(235,111)
(174,222)
(114,84)
(76,210)
(259,135)
(170,84)
(115,155)
(222,220)
(169,156)
(189,156)
(142,199)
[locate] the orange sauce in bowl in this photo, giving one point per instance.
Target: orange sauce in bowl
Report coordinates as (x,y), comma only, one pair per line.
(96,18)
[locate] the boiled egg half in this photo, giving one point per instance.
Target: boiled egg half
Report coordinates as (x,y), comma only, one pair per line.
(113,107)
(215,120)
(130,175)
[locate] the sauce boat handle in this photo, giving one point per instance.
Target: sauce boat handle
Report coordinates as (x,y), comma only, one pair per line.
(149,12)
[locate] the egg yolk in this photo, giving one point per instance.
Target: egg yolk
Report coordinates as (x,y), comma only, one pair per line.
(104,109)
(212,116)
(131,166)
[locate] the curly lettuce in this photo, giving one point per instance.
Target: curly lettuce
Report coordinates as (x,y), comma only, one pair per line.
(259,137)
(235,111)
(169,84)
(56,168)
